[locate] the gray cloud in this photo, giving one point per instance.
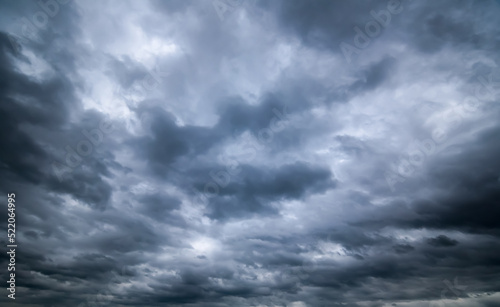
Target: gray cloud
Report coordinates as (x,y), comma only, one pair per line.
(162,155)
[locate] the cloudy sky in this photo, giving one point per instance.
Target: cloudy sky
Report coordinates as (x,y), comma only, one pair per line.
(251,153)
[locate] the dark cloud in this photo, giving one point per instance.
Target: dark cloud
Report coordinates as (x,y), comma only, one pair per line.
(403,248)
(164,154)
(324,23)
(259,187)
(442,240)
(374,75)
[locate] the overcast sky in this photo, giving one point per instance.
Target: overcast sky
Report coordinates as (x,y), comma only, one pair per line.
(252,153)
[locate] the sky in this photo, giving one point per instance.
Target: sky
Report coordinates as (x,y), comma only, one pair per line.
(219,153)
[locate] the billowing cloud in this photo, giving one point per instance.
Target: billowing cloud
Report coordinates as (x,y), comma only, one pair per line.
(251,153)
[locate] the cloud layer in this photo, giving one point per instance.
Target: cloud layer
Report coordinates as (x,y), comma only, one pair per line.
(252,153)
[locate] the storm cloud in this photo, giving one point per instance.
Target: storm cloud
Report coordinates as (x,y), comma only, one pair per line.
(251,152)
